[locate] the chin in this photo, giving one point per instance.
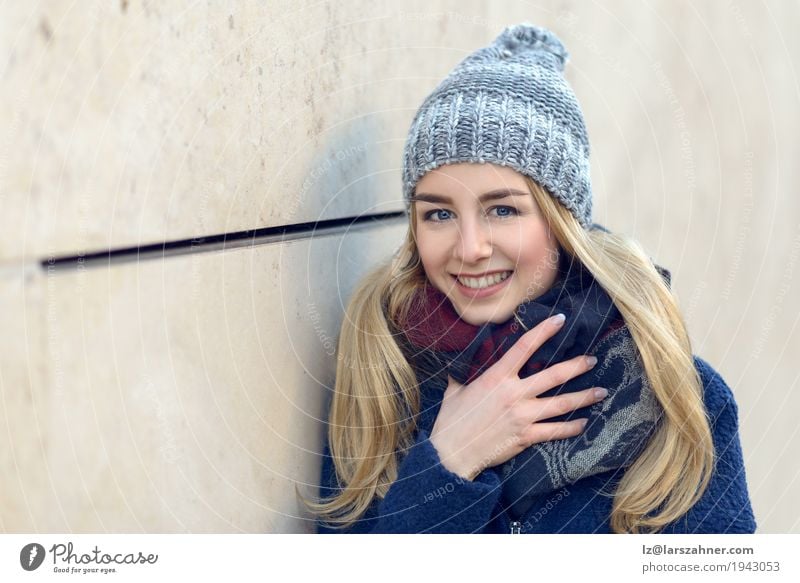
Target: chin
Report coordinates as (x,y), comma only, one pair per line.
(495,317)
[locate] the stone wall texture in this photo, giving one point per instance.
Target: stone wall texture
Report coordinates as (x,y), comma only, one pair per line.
(185,392)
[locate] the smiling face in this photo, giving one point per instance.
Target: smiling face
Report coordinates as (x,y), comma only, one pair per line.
(483,240)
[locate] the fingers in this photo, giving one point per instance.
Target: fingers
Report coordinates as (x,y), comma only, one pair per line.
(516,356)
(540,432)
(560,373)
(562,404)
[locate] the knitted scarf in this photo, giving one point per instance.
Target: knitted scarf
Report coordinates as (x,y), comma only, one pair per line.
(438,342)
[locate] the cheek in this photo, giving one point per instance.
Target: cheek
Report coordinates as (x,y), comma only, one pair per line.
(539,256)
(429,252)
(423,246)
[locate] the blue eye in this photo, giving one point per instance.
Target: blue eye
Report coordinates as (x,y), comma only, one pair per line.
(429,214)
(511,211)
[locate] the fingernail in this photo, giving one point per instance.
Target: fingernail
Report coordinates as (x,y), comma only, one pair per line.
(600,393)
(591,360)
(558,319)
(583,422)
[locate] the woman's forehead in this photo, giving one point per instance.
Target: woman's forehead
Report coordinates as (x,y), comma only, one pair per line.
(471,177)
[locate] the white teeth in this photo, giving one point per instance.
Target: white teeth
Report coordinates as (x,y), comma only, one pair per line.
(486,281)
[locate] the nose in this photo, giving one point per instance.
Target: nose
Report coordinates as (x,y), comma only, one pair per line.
(474,242)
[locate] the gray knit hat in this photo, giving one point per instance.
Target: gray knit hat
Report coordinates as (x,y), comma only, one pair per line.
(508,104)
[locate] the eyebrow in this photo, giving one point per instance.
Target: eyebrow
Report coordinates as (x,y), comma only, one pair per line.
(491,195)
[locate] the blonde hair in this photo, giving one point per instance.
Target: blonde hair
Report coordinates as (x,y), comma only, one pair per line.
(376,396)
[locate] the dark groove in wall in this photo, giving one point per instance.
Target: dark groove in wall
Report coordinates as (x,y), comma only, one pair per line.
(224,241)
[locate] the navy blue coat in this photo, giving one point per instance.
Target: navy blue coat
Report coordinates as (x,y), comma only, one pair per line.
(428,498)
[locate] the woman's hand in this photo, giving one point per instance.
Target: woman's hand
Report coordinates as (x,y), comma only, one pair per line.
(498,415)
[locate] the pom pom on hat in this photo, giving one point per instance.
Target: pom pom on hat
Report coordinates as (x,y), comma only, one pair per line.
(524,37)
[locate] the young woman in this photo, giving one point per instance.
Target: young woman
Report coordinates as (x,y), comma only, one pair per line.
(515,367)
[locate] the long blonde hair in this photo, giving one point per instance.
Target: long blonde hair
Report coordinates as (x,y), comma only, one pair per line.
(376,396)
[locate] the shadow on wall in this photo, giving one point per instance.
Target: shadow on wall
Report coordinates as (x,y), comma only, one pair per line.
(348,173)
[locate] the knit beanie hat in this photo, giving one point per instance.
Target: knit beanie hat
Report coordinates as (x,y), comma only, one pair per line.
(509,104)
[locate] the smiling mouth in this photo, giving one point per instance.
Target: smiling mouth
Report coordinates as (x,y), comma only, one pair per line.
(484,281)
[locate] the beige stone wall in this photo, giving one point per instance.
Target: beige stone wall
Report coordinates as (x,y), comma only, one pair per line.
(183,394)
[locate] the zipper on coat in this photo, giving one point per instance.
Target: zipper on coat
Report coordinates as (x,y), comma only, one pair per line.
(516,527)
